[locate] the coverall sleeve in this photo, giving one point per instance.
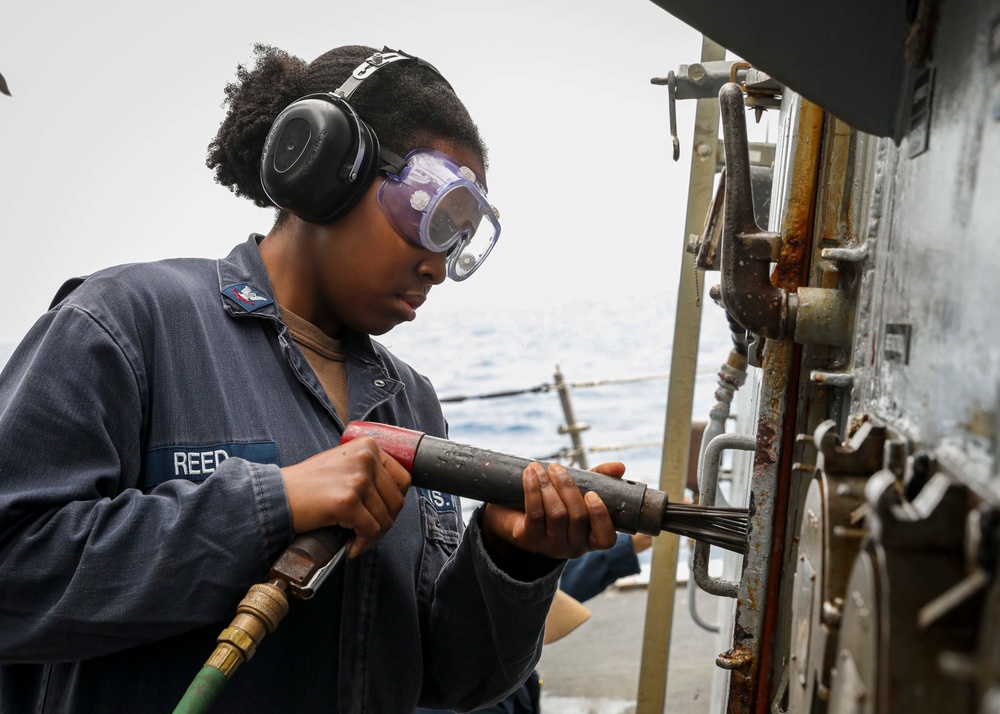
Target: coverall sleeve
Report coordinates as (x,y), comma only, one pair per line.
(484,638)
(90,564)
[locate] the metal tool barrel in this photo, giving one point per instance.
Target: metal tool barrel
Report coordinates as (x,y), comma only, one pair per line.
(471,472)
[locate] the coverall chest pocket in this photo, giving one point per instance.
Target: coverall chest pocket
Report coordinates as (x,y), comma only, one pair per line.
(440,516)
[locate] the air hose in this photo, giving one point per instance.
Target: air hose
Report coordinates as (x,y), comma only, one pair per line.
(202,692)
(299,571)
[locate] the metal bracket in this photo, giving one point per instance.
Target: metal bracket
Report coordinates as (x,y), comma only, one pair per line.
(709,487)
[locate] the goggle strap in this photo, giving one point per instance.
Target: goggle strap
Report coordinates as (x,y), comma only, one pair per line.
(392,163)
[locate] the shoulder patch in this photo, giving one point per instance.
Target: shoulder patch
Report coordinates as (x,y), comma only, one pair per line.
(246,296)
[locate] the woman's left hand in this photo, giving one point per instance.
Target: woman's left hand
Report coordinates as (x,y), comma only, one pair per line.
(558,521)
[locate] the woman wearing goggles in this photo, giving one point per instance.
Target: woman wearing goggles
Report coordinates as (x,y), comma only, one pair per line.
(439,204)
(273,346)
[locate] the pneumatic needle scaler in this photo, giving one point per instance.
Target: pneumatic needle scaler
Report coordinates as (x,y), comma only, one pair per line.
(492,477)
(460,470)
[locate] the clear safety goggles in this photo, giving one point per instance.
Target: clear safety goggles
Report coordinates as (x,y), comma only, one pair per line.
(438,204)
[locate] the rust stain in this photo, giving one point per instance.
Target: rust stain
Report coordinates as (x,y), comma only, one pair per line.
(741,687)
(736,659)
(796,230)
(777,429)
(741,684)
(764,458)
(750,686)
(766,435)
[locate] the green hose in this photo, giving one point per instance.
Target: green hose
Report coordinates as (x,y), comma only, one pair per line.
(259,612)
(202,692)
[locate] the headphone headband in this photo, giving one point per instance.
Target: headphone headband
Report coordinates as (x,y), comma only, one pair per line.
(366,69)
(320,156)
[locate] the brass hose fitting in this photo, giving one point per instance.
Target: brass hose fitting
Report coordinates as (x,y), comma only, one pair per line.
(258,614)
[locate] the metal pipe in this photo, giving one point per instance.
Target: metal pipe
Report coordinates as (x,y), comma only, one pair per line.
(572,428)
(732,374)
(693,605)
(709,483)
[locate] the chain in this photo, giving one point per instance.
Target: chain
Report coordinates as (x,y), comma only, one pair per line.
(697,281)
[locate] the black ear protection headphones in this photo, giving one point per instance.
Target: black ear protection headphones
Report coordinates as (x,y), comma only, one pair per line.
(320,156)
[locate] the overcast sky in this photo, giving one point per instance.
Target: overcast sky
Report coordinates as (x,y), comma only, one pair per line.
(102,144)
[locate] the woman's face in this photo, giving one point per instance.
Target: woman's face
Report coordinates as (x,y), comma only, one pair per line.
(370,277)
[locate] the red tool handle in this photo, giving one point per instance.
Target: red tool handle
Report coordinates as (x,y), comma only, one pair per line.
(401,444)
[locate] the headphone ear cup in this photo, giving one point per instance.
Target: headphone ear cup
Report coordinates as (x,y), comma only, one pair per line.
(319,158)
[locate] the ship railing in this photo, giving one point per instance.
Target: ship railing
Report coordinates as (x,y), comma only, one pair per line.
(575,455)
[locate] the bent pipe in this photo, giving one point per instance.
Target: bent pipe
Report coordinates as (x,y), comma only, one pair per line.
(709,487)
(747,250)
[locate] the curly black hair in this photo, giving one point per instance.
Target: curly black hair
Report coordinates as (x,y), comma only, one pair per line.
(407,104)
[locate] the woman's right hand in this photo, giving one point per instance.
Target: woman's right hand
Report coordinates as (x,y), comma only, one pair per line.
(356,486)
